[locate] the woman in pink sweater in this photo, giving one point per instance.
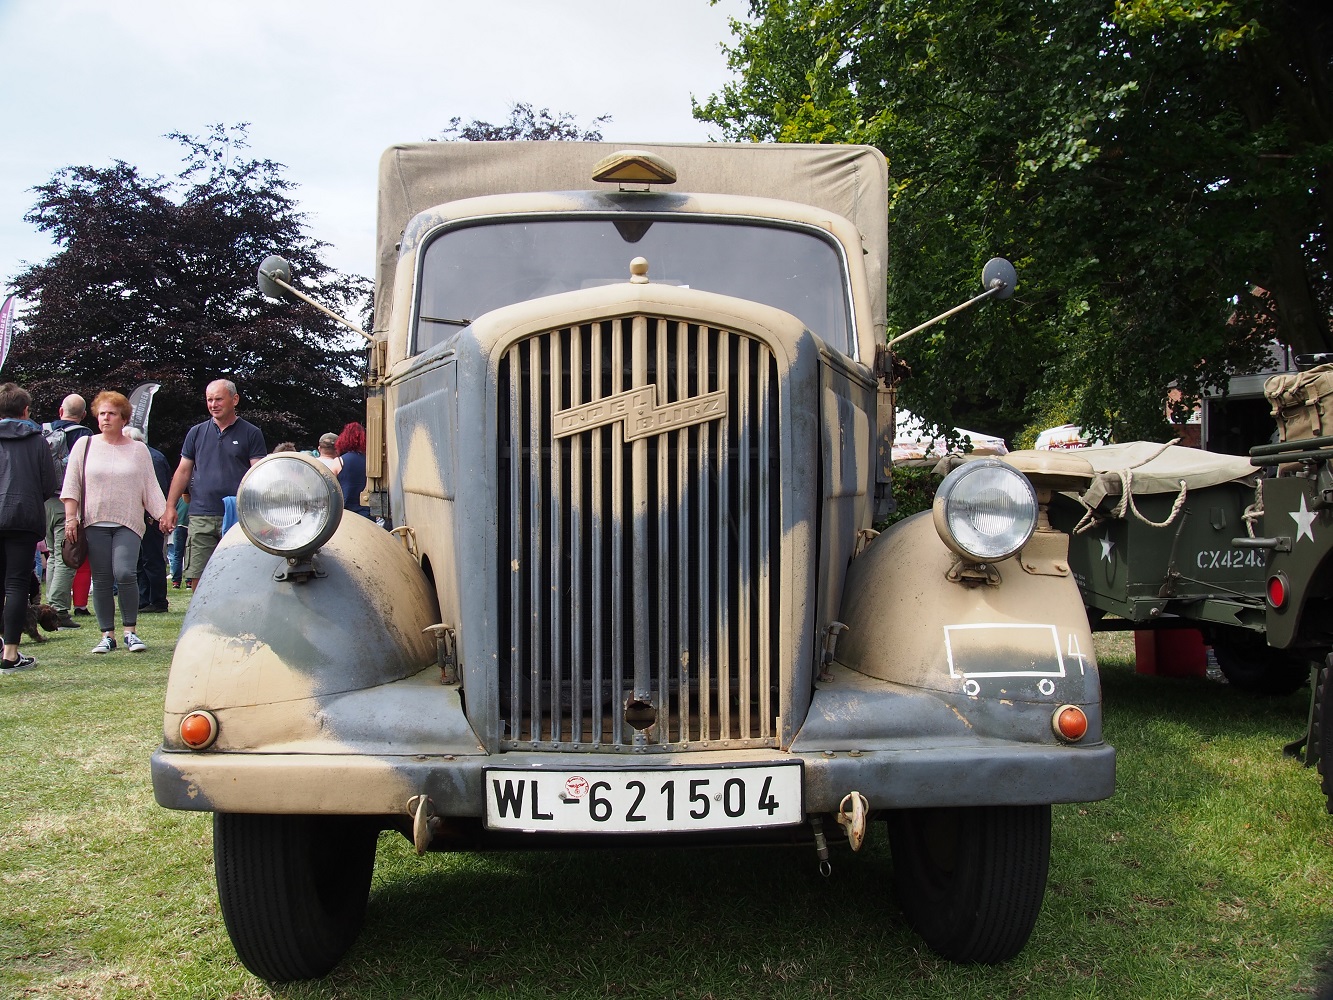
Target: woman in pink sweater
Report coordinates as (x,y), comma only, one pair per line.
(109,483)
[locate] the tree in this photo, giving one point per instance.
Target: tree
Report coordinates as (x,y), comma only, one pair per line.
(525,123)
(155,281)
(1145,163)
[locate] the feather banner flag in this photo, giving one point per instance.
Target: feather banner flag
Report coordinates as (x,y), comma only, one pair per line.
(6,328)
(141,402)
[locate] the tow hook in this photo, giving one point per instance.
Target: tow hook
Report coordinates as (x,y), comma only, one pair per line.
(831,633)
(821,845)
(446,651)
(424,821)
(853,819)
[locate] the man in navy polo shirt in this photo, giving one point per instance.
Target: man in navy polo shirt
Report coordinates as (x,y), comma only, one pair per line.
(214,457)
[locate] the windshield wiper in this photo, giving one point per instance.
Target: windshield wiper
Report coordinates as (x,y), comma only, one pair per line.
(447,322)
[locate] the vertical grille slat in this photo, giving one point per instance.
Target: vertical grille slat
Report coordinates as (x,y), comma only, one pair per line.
(597,708)
(765,427)
(641,476)
(722,550)
(577,573)
(617,526)
(665,391)
(639,503)
(686,658)
(516,644)
(743,522)
(536,537)
(556,533)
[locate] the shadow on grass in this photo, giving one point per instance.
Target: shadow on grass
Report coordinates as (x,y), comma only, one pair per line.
(689,922)
(1196,858)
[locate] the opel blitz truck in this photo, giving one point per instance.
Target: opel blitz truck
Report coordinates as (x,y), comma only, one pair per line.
(628,441)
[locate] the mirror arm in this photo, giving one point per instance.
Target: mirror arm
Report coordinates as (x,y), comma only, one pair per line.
(273,277)
(997,287)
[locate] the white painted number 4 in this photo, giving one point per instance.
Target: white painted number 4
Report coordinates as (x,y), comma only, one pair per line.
(1076,653)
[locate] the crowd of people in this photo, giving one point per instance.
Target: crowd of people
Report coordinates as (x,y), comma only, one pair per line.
(101,513)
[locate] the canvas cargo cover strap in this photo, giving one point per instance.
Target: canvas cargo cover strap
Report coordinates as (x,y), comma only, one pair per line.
(1302,403)
(851,181)
(1158,468)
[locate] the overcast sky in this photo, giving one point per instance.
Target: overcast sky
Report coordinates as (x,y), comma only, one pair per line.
(327,85)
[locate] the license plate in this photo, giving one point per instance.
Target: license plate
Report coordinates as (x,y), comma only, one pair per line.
(644,800)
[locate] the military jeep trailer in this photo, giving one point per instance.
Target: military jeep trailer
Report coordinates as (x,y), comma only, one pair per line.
(629,441)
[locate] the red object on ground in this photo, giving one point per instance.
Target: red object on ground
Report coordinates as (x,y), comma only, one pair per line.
(1170,652)
(83,582)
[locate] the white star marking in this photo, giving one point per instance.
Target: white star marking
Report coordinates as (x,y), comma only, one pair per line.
(1304,521)
(1107,546)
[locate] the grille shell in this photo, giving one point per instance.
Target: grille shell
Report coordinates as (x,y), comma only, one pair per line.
(640,542)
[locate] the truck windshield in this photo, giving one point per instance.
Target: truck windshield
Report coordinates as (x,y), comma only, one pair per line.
(471,270)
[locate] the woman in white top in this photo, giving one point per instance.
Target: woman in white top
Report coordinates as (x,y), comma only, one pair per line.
(109,483)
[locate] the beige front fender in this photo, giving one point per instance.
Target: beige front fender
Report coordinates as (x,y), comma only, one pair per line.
(1025,639)
(278,656)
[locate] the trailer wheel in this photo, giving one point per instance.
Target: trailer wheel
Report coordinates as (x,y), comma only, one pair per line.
(293,889)
(1252,666)
(970,881)
(1321,732)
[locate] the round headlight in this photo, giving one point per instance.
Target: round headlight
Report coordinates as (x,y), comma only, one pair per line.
(289,504)
(985,510)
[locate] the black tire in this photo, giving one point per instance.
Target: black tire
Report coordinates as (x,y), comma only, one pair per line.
(970,881)
(1252,666)
(293,889)
(1321,733)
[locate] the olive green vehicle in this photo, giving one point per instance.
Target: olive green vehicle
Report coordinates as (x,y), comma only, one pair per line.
(1298,532)
(631,443)
(1160,541)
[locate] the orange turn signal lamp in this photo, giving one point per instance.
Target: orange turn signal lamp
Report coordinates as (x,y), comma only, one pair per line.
(1070,723)
(199,729)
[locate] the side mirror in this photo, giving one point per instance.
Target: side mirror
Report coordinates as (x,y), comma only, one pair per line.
(275,281)
(272,270)
(998,278)
(998,273)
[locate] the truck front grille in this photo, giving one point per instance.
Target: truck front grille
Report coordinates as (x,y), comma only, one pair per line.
(640,539)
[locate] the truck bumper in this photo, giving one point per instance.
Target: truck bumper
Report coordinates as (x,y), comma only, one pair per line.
(955,774)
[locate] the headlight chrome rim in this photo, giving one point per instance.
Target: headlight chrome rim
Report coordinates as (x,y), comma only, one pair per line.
(985,510)
(289,505)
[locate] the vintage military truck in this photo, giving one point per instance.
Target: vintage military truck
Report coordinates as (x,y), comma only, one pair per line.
(629,442)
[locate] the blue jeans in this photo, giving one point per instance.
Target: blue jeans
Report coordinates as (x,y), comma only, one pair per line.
(176,551)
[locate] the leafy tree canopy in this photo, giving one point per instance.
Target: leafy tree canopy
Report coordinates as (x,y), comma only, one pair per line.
(526,124)
(154,281)
(1148,165)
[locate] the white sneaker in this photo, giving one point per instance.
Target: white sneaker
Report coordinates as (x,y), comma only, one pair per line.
(107,644)
(134,644)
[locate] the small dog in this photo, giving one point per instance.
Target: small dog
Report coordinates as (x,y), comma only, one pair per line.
(38,613)
(43,615)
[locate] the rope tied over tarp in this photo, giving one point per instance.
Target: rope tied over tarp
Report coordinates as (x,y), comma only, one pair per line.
(1126,504)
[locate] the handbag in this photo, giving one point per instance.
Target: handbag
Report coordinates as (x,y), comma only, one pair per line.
(74,551)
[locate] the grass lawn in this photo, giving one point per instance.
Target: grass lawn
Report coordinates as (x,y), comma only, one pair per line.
(1208,874)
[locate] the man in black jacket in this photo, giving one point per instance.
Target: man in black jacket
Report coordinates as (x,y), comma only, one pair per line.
(27,478)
